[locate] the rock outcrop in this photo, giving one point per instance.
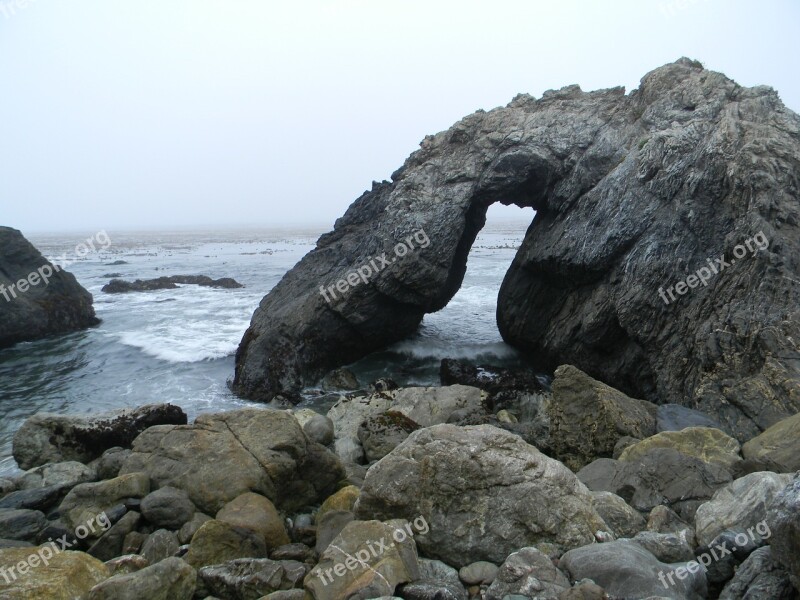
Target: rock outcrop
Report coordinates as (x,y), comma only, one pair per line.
(119,286)
(37,299)
(638,197)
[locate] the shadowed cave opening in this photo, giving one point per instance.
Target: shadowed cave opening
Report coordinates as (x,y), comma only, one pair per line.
(466,327)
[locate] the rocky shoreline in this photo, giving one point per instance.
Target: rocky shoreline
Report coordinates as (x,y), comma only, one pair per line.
(510,490)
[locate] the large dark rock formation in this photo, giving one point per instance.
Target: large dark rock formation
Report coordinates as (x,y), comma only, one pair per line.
(119,286)
(633,193)
(39,309)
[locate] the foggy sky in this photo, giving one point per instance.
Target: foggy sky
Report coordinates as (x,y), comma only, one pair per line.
(219,113)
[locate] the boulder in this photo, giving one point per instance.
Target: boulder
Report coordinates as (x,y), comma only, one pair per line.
(124,565)
(37,298)
(667,547)
(344,499)
(661,476)
(319,429)
(709,445)
(528,573)
(64,474)
(33,499)
(367,559)
(49,576)
(222,456)
(492,379)
(478,573)
(623,520)
(783,519)
(252,578)
(87,501)
(160,545)
(258,514)
(588,418)
(380,434)
(51,438)
(217,542)
(110,462)
(474,487)
(170,579)
(759,577)
(109,545)
(167,507)
(21,524)
(741,504)
(186,533)
(329,526)
(625,569)
(674,417)
(437,581)
(777,448)
(340,379)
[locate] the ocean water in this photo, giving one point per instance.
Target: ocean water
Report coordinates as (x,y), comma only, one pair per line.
(178,345)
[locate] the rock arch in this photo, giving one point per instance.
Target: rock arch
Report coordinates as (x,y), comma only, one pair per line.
(633,193)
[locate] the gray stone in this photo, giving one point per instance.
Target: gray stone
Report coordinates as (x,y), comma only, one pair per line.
(222,456)
(59,306)
(528,573)
(783,519)
(160,544)
(340,379)
(217,542)
(741,504)
(33,499)
(127,564)
(319,429)
(759,577)
(110,462)
(625,569)
(110,543)
(777,448)
(21,524)
(588,418)
(674,417)
(662,476)
(252,578)
(88,500)
(187,532)
(170,579)
(52,438)
(167,507)
(330,526)
(478,573)
(667,547)
(66,474)
(492,480)
(624,520)
(380,434)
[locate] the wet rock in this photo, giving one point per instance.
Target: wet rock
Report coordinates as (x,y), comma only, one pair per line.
(170,579)
(51,438)
(258,514)
(587,418)
(624,520)
(252,578)
(528,573)
(217,542)
(493,480)
(222,456)
(21,524)
(340,379)
(384,384)
(741,504)
(118,286)
(66,576)
(160,545)
(53,302)
(783,519)
(625,569)
(367,559)
(491,379)
(777,448)
(167,507)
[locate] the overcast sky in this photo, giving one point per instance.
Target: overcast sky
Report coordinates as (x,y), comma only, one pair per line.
(219,113)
